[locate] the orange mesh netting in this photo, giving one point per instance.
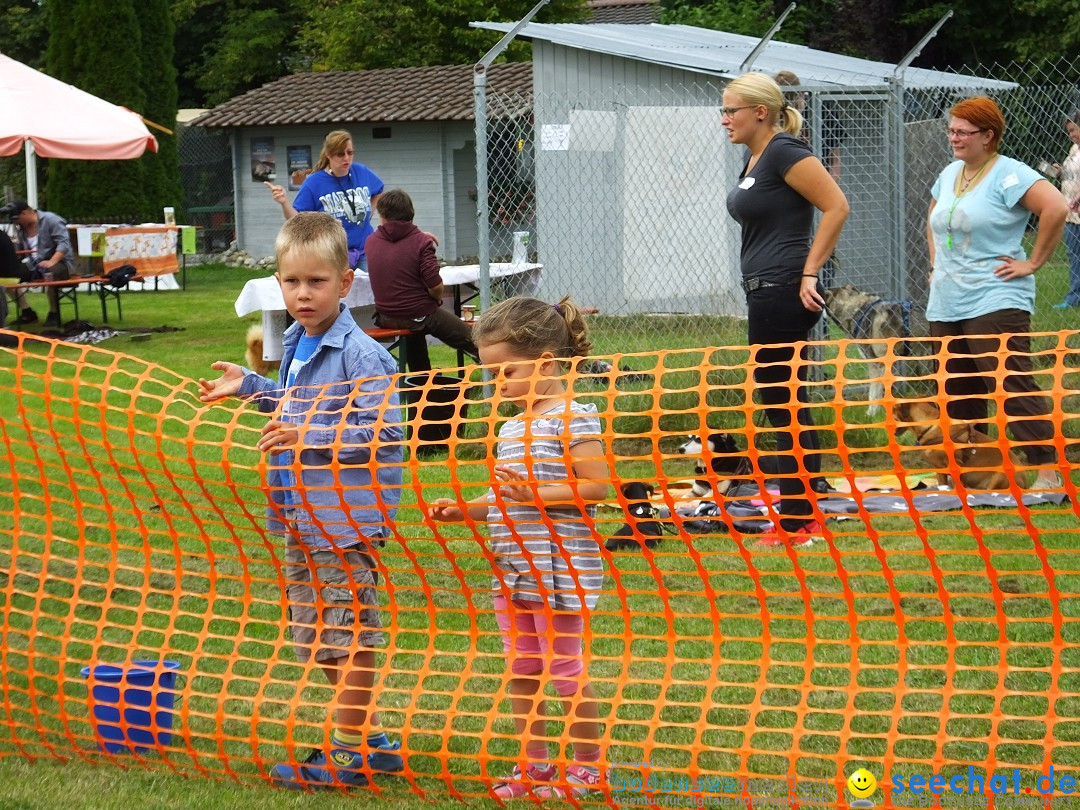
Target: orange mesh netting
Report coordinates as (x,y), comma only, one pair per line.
(928,633)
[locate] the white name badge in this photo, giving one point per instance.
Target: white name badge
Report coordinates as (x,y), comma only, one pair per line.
(747,182)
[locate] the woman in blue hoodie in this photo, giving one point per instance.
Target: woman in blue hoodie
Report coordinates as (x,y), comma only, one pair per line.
(345,190)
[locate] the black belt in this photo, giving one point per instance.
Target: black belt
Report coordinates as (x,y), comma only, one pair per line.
(751,284)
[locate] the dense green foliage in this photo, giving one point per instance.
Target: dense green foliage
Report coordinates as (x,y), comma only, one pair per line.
(162,170)
(108,65)
(351,34)
(994,31)
(129,61)
(225,47)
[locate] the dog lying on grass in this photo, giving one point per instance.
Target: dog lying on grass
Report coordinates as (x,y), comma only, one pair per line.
(726,461)
(924,420)
(641,529)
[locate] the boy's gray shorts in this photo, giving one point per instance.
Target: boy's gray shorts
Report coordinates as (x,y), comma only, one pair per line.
(339,585)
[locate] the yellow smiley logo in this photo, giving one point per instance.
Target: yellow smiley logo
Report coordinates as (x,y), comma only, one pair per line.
(345,759)
(861,783)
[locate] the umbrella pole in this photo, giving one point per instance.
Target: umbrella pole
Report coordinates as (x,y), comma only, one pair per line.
(31,173)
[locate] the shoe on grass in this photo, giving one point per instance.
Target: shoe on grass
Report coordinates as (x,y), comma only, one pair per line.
(1047,480)
(384,759)
(52,319)
(801,538)
(581,780)
(516,787)
(341,768)
(27,316)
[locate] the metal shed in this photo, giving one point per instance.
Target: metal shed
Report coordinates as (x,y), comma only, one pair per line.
(632,167)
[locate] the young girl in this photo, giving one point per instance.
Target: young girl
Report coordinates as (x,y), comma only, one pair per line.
(549,571)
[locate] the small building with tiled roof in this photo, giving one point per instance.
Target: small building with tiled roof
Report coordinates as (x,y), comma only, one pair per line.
(414,127)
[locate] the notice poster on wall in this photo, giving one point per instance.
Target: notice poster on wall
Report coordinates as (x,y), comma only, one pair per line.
(299,165)
(263,166)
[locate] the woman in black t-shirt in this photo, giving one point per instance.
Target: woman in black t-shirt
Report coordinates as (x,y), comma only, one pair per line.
(779,187)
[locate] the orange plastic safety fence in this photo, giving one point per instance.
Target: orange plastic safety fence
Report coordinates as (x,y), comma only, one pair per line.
(932,629)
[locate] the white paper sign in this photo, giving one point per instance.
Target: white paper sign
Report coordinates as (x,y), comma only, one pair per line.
(555,137)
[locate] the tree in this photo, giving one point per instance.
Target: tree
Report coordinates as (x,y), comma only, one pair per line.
(108,65)
(24,36)
(162,170)
(229,46)
(748,17)
(359,34)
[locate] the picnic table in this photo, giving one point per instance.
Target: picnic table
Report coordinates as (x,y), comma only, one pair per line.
(150,249)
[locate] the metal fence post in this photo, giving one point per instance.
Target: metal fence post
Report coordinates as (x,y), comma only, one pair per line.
(480,111)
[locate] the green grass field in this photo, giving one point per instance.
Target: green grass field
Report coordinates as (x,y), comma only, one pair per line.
(886,649)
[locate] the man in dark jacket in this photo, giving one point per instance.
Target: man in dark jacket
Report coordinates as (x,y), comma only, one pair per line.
(405,280)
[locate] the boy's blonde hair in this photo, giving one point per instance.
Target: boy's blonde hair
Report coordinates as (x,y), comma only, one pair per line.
(314,232)
(757,89)
(531,327)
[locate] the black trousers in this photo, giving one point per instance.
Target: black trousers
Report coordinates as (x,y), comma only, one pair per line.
(776,316)
(443,324)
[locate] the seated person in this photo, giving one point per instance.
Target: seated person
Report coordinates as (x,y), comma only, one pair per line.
(405,280)
(45,235)
(10,268)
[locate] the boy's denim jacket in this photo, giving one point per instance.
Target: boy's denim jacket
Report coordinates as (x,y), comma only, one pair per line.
(340,391)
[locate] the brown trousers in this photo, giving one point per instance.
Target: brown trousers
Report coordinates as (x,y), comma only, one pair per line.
(969,384)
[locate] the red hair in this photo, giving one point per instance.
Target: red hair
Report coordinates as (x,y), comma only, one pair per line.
(984,114)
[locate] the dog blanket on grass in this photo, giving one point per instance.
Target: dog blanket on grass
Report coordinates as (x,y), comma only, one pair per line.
(747,516)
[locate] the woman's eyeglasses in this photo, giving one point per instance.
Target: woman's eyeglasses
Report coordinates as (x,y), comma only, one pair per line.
(962,133)
(728,112)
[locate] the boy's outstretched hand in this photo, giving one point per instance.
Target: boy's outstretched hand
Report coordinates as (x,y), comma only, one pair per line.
(227,385)
(445,509)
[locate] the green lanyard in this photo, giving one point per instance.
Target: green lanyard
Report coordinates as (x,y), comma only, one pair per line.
(956,200)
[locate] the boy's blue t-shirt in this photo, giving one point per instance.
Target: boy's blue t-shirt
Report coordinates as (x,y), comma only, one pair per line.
(292,411)
(988,222)
(346,198)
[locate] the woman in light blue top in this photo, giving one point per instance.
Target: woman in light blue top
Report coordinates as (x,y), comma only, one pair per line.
(983,283)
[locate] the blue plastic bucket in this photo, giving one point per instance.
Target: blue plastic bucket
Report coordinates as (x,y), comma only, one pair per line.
(143,693)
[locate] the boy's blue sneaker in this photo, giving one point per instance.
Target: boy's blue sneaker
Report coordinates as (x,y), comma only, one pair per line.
(315,773)
(383,760)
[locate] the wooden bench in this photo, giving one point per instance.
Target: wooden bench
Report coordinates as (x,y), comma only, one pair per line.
(66,290)
(394,339)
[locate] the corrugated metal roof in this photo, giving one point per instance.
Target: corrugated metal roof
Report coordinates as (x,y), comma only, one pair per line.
(440,93)
(718,53)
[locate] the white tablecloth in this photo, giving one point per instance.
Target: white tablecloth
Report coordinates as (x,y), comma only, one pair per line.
(264,294)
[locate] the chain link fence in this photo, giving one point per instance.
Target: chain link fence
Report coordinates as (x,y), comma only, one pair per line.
(622,194)
(207,177)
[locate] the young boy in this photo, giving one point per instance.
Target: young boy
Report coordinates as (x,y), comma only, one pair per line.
(406,283)
(332,412)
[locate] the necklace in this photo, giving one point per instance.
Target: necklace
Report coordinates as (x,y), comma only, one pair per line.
(961,190)
(345,191)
